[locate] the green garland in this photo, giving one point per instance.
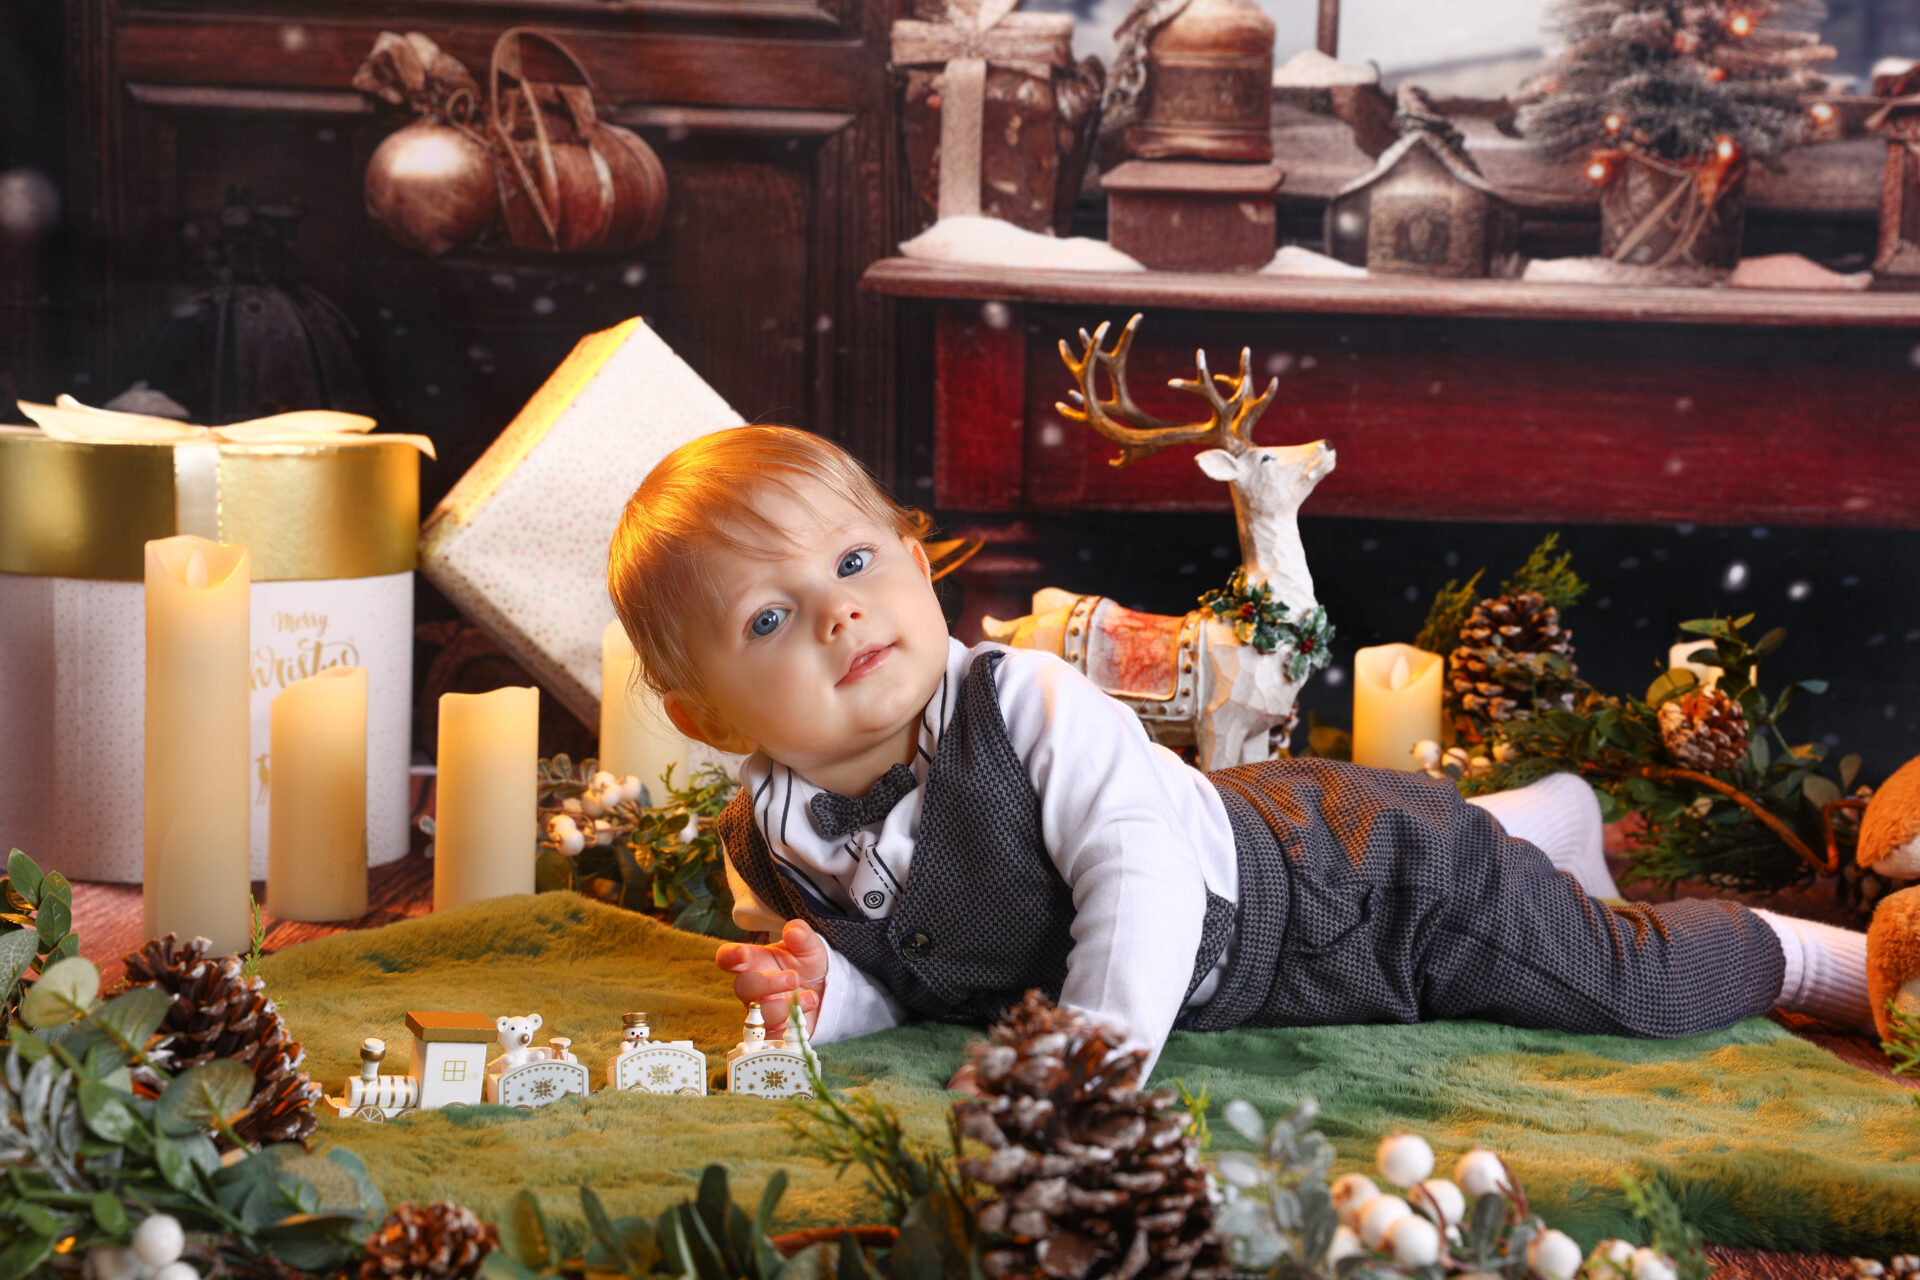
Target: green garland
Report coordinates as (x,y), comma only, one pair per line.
(1263,622)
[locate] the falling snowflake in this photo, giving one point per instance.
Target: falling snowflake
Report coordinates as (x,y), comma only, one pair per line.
(776,1079)
(543,1088)
(660,1073)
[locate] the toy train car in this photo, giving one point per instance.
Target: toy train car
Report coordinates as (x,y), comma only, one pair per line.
(449,1068)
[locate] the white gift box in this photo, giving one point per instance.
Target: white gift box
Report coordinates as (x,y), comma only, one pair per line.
(331,527)
(519,544)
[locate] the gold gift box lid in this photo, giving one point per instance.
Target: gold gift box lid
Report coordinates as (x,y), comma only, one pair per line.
(332,508)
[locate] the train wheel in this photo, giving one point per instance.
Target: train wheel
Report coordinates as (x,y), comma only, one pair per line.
(689,1092)
(404,1112)
(371,1114)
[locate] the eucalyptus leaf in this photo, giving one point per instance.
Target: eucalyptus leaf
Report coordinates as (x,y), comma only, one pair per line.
(54,921)
(1812,686)
(1237,1168)
(25,1255)
(24,874)
(109,1213)
(207,1096)
(63,993)
(1671,684)
(1759,753)
(18,950)
(1820,790)
(107,1112)
(1849,770)
(524,1234)
(173,1163)
(133,1016)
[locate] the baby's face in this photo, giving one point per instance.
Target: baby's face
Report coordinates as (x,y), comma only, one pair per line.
(824,654)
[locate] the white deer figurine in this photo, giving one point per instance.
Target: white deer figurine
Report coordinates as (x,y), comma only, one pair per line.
(1191,679)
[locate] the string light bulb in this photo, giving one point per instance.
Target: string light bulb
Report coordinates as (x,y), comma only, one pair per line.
(1821,112)
(1598,171)
(1614,123)
(1717,74)
(1726,149)
(1741,24)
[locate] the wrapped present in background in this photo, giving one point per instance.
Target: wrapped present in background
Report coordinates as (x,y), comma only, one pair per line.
(998,120)
(330,517)
(519,544)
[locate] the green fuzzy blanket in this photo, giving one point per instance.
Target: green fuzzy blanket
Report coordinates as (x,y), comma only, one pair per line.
(1766,1140)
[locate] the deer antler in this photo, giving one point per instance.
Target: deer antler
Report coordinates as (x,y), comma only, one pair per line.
(1139,433)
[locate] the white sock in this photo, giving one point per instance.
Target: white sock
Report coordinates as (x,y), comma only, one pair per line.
(1826,971)
(1561,815)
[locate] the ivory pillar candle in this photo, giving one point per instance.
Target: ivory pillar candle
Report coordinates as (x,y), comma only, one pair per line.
(317,860)
(1396,703)
(486,806)
(195,823)
(635,735)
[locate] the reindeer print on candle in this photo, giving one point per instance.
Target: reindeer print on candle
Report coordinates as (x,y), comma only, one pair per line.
(1190,679)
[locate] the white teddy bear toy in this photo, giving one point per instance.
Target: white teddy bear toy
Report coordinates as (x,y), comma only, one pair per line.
(516,1041)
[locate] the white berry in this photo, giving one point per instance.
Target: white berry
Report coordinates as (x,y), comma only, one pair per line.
(1349,1192)
(176,1271)
(1345,1245)
(1480,1172)
(1379,1213)
(1648,1265)
(1618,1252)
(114,1262)
(630,788)
(1405,1158)
(1438,1196)
(603,781)
(590,804)
(572,842)
(1415,1241)
(1553,1255)
(159,1240)
(1426,753)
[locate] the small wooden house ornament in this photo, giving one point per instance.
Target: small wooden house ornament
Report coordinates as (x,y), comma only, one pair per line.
(1424,209)
(449,1056)
(758,1068)
(646,1065)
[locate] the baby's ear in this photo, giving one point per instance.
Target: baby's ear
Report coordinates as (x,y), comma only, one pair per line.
(691,716)
(919,554)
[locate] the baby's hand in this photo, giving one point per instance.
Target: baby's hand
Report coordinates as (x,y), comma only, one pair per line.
(770,976)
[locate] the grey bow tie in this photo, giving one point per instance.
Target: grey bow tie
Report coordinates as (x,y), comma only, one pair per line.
(834,814)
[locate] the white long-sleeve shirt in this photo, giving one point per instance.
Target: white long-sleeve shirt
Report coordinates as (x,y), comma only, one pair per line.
(1138,835)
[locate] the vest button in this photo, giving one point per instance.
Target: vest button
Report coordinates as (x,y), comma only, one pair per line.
(916,946)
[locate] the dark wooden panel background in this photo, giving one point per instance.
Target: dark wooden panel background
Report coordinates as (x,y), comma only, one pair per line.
(774,120)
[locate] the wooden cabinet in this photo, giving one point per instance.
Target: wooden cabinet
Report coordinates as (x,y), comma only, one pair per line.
(774,119)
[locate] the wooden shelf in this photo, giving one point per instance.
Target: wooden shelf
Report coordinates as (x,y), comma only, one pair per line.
(1447,300)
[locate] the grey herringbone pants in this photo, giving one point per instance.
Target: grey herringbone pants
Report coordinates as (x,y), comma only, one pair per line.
(1373,896)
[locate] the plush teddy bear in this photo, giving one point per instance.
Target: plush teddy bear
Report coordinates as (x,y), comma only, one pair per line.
(1890,846)
(516,1040)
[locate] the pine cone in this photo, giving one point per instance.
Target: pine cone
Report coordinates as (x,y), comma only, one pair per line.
(1704,729)
(1503,666)
(218,1013)
(1094,1182)
(439,1241)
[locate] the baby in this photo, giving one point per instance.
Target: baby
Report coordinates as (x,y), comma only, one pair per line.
(931,829)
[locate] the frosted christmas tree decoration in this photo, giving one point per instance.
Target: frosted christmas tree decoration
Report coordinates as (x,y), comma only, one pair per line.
(646,1065)
(761,1069)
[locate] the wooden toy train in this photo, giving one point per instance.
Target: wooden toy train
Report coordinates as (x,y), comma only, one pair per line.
(448,1066)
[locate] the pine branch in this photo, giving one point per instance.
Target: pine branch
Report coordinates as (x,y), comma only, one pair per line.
(1449,612)
(1554,579)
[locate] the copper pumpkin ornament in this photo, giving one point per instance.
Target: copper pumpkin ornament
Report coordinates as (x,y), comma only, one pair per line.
(430,186)
(568,182)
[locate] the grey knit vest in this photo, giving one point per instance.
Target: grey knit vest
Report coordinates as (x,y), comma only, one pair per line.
(984,914)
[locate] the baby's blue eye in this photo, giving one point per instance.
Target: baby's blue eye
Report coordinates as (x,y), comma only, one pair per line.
(768,621)
(854,561)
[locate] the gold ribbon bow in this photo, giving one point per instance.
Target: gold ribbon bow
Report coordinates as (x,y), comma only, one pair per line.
(311,494)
